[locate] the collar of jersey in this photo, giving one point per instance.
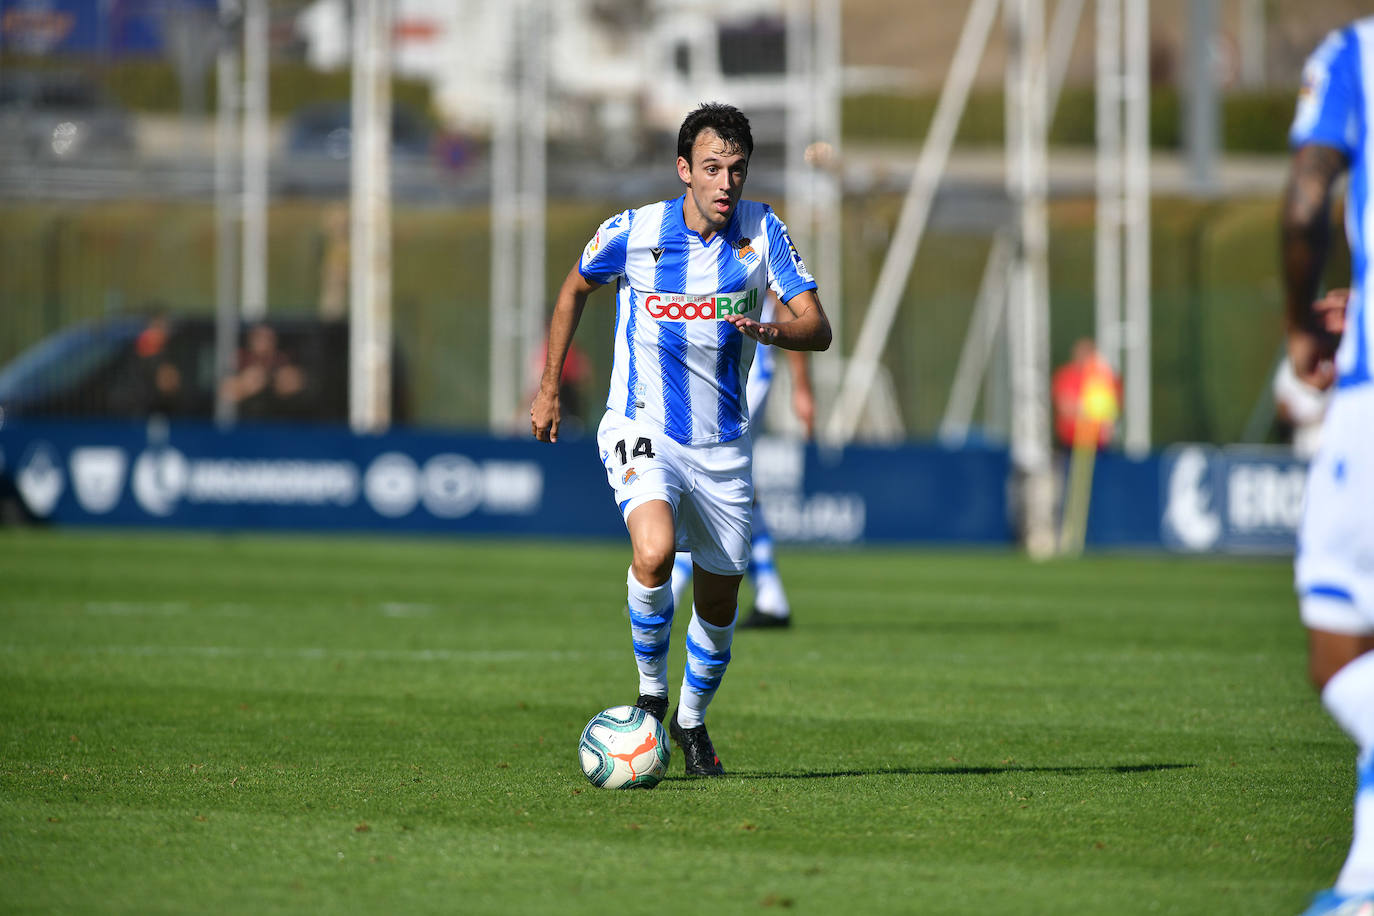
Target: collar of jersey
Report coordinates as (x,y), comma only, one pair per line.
(680,221)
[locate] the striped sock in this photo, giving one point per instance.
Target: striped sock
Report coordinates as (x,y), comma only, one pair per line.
(682,577)
(651,626)
(769,597)
(708,654)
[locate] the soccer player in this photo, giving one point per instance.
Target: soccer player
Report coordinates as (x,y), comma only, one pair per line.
(771,608)
(690,278)
(1331,341)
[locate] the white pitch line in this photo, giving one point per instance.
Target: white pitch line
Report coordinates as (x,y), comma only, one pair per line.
(132,608)
(394,609)
(165,609)
(319,653)
(406,609)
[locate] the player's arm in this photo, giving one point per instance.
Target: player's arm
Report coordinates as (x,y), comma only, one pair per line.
(545,412)
(807,329)
(1306,232)
(803,399)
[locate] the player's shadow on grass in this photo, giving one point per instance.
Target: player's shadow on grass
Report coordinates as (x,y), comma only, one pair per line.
(965,771)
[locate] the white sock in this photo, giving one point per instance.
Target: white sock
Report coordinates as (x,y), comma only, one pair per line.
(769,597)
(682,577)
(1349,697)
(651,627)
(708,654)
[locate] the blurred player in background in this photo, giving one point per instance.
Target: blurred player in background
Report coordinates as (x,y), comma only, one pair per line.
(771,608)
(1332,342)
(690,275)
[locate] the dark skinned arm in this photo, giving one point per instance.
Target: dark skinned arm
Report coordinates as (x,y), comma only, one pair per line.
(1306,234)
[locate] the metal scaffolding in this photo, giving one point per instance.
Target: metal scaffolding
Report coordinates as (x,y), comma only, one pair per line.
(370,220)
(1122,256)
(1015,282)
(518,206)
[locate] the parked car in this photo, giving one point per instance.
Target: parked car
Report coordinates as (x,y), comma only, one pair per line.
(319,145)
(326,129)
(136,366)
(61,116)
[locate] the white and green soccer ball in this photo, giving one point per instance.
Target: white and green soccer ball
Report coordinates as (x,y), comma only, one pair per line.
(624,748)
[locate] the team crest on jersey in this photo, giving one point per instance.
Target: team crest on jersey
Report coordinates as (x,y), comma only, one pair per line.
(743,249)
(630,477)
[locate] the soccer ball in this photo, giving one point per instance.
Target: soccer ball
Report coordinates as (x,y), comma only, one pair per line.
(624,748)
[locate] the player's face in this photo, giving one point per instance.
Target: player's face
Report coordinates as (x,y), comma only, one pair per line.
(715,181)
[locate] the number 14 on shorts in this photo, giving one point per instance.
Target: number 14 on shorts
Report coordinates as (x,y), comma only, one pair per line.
(643,448)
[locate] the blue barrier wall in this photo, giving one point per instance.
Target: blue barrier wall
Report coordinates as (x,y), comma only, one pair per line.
(1189,498)
(196,476)
(1235,499)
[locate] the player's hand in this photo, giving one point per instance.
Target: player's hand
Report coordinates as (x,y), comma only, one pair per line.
(1312,357)
(1330,310)
(764,333)
(545,414)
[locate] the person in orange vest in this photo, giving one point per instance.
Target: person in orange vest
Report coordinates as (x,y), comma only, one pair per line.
(1087,398)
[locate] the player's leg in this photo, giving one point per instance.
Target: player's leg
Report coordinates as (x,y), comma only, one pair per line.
(682,577)
(770,601)
(771,609)
(719,524)
(709,636)
(1336,602)
(647,485)
(716,519)
(1342,668)
(1328,653)
(653,541)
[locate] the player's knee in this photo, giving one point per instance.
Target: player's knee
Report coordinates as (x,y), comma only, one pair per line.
(718,610)
(1322,668)
(653,564)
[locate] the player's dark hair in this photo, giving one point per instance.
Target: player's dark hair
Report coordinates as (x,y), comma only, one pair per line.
(728,123)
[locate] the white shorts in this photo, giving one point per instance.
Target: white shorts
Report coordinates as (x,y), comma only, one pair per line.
(709,487)
(1334,570)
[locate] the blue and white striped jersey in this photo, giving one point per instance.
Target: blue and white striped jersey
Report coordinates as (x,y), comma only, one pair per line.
(678,365)
(1336,109)
(761,372)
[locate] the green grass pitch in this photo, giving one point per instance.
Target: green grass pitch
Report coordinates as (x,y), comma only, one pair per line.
(195,723)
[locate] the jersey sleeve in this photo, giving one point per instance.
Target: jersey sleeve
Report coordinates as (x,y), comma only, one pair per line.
(787,273)
(1329,100)
(604,257)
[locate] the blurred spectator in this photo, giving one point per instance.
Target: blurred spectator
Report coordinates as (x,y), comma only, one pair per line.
(267,382)
(152,382)
(1087,398)
(576,369)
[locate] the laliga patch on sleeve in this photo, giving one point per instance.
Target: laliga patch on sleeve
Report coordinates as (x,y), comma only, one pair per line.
(604,233)
(1314,80)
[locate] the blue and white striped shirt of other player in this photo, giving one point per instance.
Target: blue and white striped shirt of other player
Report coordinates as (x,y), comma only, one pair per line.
(678,365)
(1336,109)
(761,373)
